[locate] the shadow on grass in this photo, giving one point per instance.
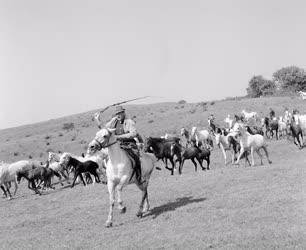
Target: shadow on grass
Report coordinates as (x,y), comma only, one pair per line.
(171,206)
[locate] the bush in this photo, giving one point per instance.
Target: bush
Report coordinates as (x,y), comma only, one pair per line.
(73,138)
(182,102)
(30,157)
(28,135)
(47,137)
(212,103)
(16,153)
(68,126)
(150,121)
(60,134)
(47,143)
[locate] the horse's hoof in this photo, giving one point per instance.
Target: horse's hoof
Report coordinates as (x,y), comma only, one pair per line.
(158,168)
(108,224)
(139,214)
(203,169)
(123,210)
(270,162)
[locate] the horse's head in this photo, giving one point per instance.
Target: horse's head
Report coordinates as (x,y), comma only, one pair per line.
(52,157)
(104,138)
(64,160)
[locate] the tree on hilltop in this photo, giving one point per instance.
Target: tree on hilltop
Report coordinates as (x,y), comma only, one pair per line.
(259,86)
(290,78)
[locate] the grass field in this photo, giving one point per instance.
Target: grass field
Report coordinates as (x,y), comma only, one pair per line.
(228,207)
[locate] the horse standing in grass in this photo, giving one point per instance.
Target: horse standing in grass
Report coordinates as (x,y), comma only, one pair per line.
(120,171)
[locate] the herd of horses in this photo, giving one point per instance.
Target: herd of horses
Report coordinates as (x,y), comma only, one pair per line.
(105,160)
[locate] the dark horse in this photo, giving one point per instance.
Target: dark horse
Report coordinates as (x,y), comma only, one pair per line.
(194,152)
(164,149)
(297,133)
(270,126)
(83,167)
(41,174)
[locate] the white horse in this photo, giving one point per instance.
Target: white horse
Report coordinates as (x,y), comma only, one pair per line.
(249,115)
(8,173)
(302,94)
(120,172)
(225,144)
(282,126)
(229,121)
(202,136)
(301,121)
(251,142)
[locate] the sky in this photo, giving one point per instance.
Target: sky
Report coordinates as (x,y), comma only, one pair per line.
(63,57)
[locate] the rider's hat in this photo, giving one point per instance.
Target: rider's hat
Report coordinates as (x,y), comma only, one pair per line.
(119,109)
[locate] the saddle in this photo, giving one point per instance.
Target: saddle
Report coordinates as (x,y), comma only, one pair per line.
(129,146)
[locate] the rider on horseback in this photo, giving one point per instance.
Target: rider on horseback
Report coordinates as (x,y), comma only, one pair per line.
(126,133)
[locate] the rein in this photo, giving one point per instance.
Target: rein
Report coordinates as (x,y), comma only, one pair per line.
(106,146)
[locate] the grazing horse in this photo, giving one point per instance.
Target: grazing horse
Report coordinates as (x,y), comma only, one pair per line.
(120,171)
(164,150)
(80,167)
(249,115)
(252,142)
(193,153)
(202,137)
(41,174)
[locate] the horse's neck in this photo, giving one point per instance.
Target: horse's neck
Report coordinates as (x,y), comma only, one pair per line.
(116,153)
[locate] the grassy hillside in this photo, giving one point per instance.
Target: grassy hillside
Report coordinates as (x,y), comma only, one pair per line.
(228,207)
(35,140)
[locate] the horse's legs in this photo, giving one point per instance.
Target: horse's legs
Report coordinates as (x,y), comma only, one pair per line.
(144,189)
(16,187)
(200,162)
(111,190)
(8,191)
(181,166)
(267,154)
(208,161)
(4,191)
(147,204)
(119,192)
(240,155)
(76,174)
(195,164)
(173,165)
(276,132)
(224,153)
(82,179)
(252,156)
(34,187)
(260,155)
